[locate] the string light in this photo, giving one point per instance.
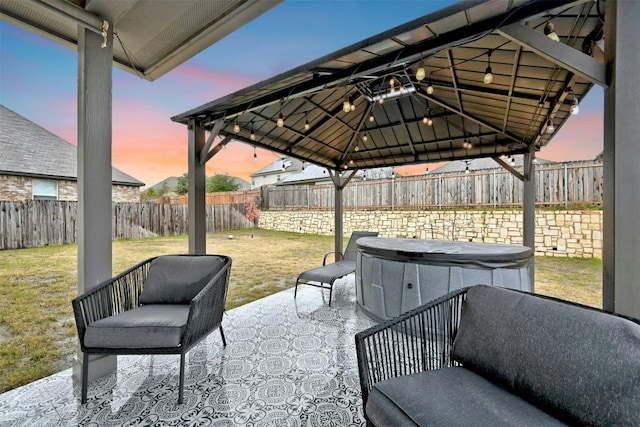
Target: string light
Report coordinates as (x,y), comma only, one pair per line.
(421,73)
(306,122)
(346,105)
(430,88)
(466,144)
(550,128)
(253,134)
(371,118)
(488,77)
(280,121)
(550,31)
(365,138)
(236,127)
(255,155)
(574,109)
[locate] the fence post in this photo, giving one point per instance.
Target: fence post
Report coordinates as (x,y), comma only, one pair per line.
(566,187)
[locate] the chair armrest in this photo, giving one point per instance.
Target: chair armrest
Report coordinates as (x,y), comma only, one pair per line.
(418,340)
(113,296)
(324,259)
(207,307)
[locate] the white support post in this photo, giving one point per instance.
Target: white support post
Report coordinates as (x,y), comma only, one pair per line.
(94,175)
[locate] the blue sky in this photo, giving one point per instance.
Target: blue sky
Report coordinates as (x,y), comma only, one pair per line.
(38,80)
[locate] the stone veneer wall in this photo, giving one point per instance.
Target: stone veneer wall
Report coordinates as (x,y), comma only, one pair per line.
(558,233)
(17,188)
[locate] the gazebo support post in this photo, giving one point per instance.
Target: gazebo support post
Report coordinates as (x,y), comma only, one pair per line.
(621,197)
(339,182)
(529,210)
(94,175)
(197,187)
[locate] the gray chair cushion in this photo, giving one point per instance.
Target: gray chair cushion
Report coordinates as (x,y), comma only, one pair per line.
(149,326)
(176,279)
(330,272)
(450,397)
(580,364)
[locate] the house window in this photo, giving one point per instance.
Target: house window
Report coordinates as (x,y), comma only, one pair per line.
(45,189)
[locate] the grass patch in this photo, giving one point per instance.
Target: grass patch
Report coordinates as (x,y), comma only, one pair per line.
(37,330)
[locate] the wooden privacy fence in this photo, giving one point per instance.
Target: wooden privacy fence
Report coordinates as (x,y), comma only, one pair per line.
(219,198)
(562,184)
(31,223)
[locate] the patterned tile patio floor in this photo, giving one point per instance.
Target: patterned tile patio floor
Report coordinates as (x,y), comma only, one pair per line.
(287,363)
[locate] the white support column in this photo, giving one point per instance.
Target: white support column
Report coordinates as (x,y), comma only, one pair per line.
(94,174)
(197,187)
(529,210)
(621,230)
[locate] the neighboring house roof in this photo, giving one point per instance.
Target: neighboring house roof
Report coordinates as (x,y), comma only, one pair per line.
(30,150)
(478,164)
(314,173)
(290,165)
(244,185)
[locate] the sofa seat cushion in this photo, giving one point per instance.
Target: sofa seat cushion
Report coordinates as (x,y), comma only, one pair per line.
(561,356)
(175,279)
(149,326)
(450,397)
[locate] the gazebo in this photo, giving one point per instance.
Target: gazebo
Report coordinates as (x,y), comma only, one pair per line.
(477,79)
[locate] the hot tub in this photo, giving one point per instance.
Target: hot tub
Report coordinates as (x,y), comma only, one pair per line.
(397,275)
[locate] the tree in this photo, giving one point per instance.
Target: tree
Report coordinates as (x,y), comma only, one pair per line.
(149,194)
(182,187)
(219,183)
(252,213)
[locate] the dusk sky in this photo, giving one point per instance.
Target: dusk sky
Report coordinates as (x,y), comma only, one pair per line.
(38,81)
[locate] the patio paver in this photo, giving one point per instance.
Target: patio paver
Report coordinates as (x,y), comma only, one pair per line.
(287,363)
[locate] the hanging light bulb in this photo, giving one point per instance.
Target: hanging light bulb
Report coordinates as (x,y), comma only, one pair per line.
(421,73)
(303,165)
(381,100)
(255,155)
(236,127)
(429,120)
(488,76)
(283,165)
(346,105)
(429,88)
(513,160)
(425,119)
(550,31)
(467,168)
(392,85)
(353,107)
(402,88)
(371,118)
(306,122)
(365,137)
(253,135)
(356,148)
(280,121)
(351,162)
(575,109)
(550,128)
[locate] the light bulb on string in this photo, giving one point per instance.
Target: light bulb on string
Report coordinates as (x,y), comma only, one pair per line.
(255,155)
(550,31)
(429,88)
(575,108)
(280,121)
(421,73)
(550,127)
(371,118)
(236,127)
(488,76)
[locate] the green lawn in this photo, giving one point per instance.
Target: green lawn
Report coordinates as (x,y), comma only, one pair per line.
(37,331)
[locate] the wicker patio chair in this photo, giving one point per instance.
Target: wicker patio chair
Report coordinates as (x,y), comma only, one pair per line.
(418,340)
(164,305)
(329,273)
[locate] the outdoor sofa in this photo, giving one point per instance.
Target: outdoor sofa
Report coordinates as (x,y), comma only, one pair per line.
(488,356)
(164,305)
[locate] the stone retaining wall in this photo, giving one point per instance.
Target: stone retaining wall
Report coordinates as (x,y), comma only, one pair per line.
(558,233)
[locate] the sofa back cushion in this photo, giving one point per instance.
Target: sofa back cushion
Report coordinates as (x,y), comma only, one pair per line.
(581,365)
(176,279)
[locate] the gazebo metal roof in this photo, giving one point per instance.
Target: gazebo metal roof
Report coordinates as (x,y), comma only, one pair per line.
(535,82)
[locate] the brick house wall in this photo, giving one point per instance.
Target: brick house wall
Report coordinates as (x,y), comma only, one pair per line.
(16,188)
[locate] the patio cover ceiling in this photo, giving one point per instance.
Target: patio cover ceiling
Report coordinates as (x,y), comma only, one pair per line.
(534,80)
(151,37)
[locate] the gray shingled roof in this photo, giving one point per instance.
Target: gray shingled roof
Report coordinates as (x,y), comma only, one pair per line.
(30,150)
